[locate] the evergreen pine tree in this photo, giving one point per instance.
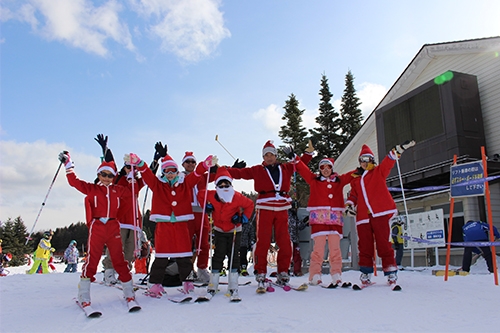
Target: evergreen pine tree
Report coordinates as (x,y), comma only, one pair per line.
(327,139)
(14,233)
(350,111)
(294,134)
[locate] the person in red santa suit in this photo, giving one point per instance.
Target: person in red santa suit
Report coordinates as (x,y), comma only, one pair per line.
(229,210)
(374,208)
(130,229)
(326,208)
(189,165)
(101,204)
(171,210)
(272,183)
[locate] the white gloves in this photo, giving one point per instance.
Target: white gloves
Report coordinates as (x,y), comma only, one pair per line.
(405,145)
(131,159)
(210,161)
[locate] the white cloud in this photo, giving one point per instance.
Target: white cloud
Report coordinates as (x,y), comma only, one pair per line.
(370,94)
(270,117)
(26,174)
(190,29)
(78,23)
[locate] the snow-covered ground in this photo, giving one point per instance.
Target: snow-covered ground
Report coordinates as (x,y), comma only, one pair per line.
(44,303)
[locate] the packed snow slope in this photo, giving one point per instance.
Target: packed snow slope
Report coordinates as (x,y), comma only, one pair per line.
(44,303)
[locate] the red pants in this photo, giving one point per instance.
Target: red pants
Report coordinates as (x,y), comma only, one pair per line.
(194,229)
(376,230)
(266,220)
(108,234)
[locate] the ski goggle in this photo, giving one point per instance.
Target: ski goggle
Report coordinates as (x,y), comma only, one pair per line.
(190,161)
(365,158)
(105,174)
(325,166)
(224,186)
(170,171)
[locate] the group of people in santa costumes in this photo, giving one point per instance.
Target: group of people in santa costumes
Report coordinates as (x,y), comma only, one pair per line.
(177,211)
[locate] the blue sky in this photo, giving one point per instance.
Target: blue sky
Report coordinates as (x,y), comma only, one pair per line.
(185,71)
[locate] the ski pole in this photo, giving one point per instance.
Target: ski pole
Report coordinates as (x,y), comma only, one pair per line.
(210,222)
(232,246)
(43,203)
(198,250)
(134,214)
(217,139)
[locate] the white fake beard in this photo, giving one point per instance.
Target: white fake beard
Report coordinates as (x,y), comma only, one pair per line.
(226,194)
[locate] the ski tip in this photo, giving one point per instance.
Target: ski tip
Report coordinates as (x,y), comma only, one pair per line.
(397,287)
(134,308)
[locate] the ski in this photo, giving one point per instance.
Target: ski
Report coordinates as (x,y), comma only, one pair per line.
(265,287)
(288,287)
(336,285)
(396,287)
(201,285)
(361,286)
(89,311)
(180,299)
(203,298)
(133,306)
(234,298)
(442,272)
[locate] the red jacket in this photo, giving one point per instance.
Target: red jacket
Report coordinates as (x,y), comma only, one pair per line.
(370,194)
(223,212)
(125,212)
(167,199)
(271,196)
(324,193)
(100,201)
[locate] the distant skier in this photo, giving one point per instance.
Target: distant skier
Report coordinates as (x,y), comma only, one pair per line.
(42,254)
(295,226)
(477,231)
(71,257)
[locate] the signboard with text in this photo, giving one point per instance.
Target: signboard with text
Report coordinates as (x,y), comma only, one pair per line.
(466,180)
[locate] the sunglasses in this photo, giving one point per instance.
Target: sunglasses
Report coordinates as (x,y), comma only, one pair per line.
(365,158)
(224,186)
(325,166)
(170,171)
(105,174)
(190,162)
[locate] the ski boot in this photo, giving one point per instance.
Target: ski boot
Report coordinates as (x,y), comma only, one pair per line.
(84,292)
(203,276)
(213,285)
(316,280)
(109,277)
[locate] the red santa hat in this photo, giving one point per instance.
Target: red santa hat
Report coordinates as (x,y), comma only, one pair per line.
(222,174)
(168,162)
(329,161)
(269,148)
(107,166)
(366,151)
(188,156)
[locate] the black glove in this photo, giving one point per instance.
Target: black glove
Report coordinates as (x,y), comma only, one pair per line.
(239,164)
(288,150)
(209,208)
(237,218)
(103,142)
(63,157)
(214,169)
(160,149)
